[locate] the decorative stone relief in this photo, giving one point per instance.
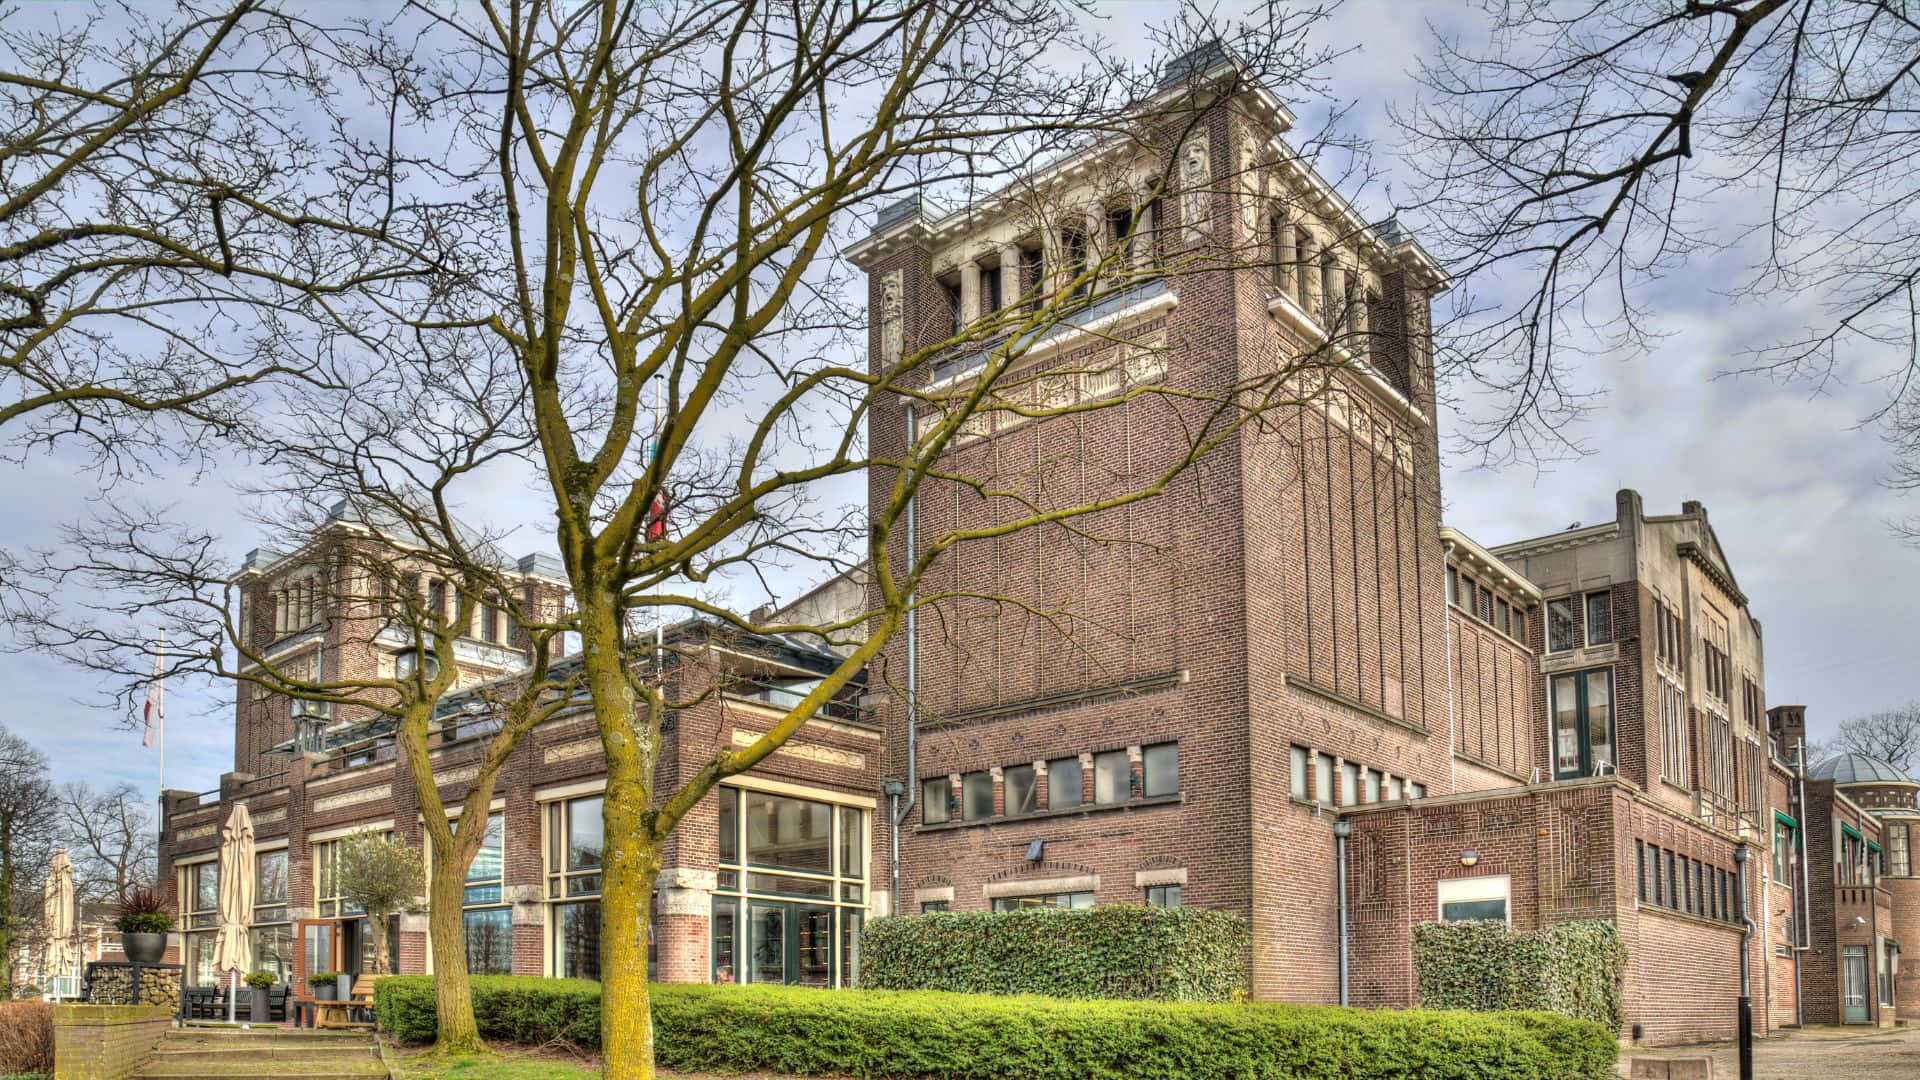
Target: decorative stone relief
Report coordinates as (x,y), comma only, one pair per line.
(569,751)
(353,798)
(892,317)
(1196,193)
(825,755)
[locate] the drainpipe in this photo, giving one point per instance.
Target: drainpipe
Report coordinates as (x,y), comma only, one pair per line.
(1803,897)
(902,809)
(1446,614)
(1740,855)
(1342,828)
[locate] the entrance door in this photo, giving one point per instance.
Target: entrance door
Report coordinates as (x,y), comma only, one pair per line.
(315,949)
(1853,985)
(790,943)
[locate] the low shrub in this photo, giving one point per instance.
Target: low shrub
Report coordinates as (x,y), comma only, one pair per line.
(26,1037)
(899,1035)
(1120,951)
(1573,968)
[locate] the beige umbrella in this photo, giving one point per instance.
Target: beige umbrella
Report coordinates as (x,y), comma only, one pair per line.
(232,951)
(59,914)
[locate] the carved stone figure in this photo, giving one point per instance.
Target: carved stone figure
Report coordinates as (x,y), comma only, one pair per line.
(1196,196)
(892,322)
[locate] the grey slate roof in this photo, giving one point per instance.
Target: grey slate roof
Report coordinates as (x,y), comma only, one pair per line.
(1853,768)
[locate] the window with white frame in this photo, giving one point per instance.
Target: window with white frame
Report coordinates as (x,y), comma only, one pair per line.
(272,930)
(791,893)
(1476,898)
(487,916)
(326,865)
(199,885)
(574,846)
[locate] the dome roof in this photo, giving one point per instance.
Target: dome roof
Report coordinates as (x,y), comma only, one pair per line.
(1858,769)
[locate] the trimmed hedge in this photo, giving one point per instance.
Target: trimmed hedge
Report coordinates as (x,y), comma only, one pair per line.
(1119,951)
(1571,968)
(905,1035)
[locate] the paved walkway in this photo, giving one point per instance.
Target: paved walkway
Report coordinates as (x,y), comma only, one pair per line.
(1828,1053)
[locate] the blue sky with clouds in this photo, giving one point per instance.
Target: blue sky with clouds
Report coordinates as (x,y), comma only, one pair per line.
(1791,481)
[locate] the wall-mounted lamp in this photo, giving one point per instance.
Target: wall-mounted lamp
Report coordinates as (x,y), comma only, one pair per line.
(1036,851)
(1469,858)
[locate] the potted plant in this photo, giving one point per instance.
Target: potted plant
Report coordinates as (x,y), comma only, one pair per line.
(260,1008)
(144,924)
(321,983)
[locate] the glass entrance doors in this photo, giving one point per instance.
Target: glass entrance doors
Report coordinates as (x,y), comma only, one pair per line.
(790,944)
(1853,984)
(1583,723)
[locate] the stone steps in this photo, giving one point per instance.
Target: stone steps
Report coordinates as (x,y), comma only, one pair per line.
(244,1054)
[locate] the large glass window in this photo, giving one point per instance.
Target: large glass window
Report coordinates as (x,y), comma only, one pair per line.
(199,911)
(1063,783)
(1783,849)
(791,898)
(1583,723)
(271,932)
(574,846)
(489,920)
(1475,898)
(1160,766)
(1560,624)
(1049,900)
(1899,861)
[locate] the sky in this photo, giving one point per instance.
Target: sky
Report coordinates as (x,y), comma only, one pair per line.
(1792,483)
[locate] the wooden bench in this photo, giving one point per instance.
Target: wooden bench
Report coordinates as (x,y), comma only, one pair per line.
(340,1014)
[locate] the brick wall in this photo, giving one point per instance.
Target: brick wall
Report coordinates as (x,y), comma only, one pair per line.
(105,1042)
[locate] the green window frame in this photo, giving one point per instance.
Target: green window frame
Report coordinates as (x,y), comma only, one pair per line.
(1581,714)
(1785,838)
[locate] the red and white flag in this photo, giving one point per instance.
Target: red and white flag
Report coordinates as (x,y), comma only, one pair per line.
(156,701)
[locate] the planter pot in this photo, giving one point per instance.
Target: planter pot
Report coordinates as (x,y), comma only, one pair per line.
(259,1009)
(144,948)
(322,993)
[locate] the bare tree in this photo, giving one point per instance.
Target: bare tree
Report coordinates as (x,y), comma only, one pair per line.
(110,836)
(1892,735)
(1581,155)
(26,842)
(648,325)
(382,878)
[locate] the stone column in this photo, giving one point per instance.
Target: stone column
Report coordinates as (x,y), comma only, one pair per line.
(1010,285)
(1362,325)
(969,292)
(1333,317)
(1306,269)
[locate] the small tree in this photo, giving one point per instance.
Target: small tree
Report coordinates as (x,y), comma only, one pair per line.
(384,879)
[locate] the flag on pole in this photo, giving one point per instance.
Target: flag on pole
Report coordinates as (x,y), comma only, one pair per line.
(156,702)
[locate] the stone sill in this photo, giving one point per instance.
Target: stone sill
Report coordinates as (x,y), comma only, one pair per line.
(1053,815)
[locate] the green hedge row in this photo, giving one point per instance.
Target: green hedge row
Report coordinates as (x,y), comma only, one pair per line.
(1572,968)
(514,1008)
(904,1035)
(1121,951)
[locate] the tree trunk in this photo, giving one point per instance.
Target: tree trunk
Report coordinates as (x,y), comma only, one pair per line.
(456,1030)
(632,864)
(6,902)
(379,923)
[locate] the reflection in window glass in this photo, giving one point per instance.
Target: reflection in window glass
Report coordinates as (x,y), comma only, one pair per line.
(976,796)
(577,938)
(583,834)
(1297,778)
(1323,779)
(1018,780)
(1163,896)
(790,833)
(490,941)
(729,825)
(1052,900)
(853,846)
(1112,777)
(1063,783)
(1599,618)
(1161,768)
(934,796)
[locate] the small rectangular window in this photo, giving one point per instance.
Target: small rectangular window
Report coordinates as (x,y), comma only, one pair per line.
(1599,618)
(934,798)
(1560,624)
(729,825)
(1453,585)
(1297,780)
(1393,789)
(1112,777)
(929,907)
(1323,779)
(1163,896)
(1063,783)
(1371,791)
(990,280)
(1640,865)
(976,796)
(1349,783)
(1161,768)
(1501,618)
(1020,789)
(955,319)
(1416,791)
(1659,881)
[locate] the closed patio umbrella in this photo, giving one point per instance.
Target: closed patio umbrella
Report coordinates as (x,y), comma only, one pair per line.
(232,951)
(59,914)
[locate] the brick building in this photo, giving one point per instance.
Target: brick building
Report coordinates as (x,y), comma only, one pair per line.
(1180,700)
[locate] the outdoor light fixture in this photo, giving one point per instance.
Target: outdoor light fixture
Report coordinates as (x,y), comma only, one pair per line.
(1036,850)
(894,788)
(1469,858)
(404,664)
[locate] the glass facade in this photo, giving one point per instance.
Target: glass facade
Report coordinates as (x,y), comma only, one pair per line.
(792,890)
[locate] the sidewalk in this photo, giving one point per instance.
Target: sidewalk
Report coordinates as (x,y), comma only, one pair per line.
(1830,1053)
